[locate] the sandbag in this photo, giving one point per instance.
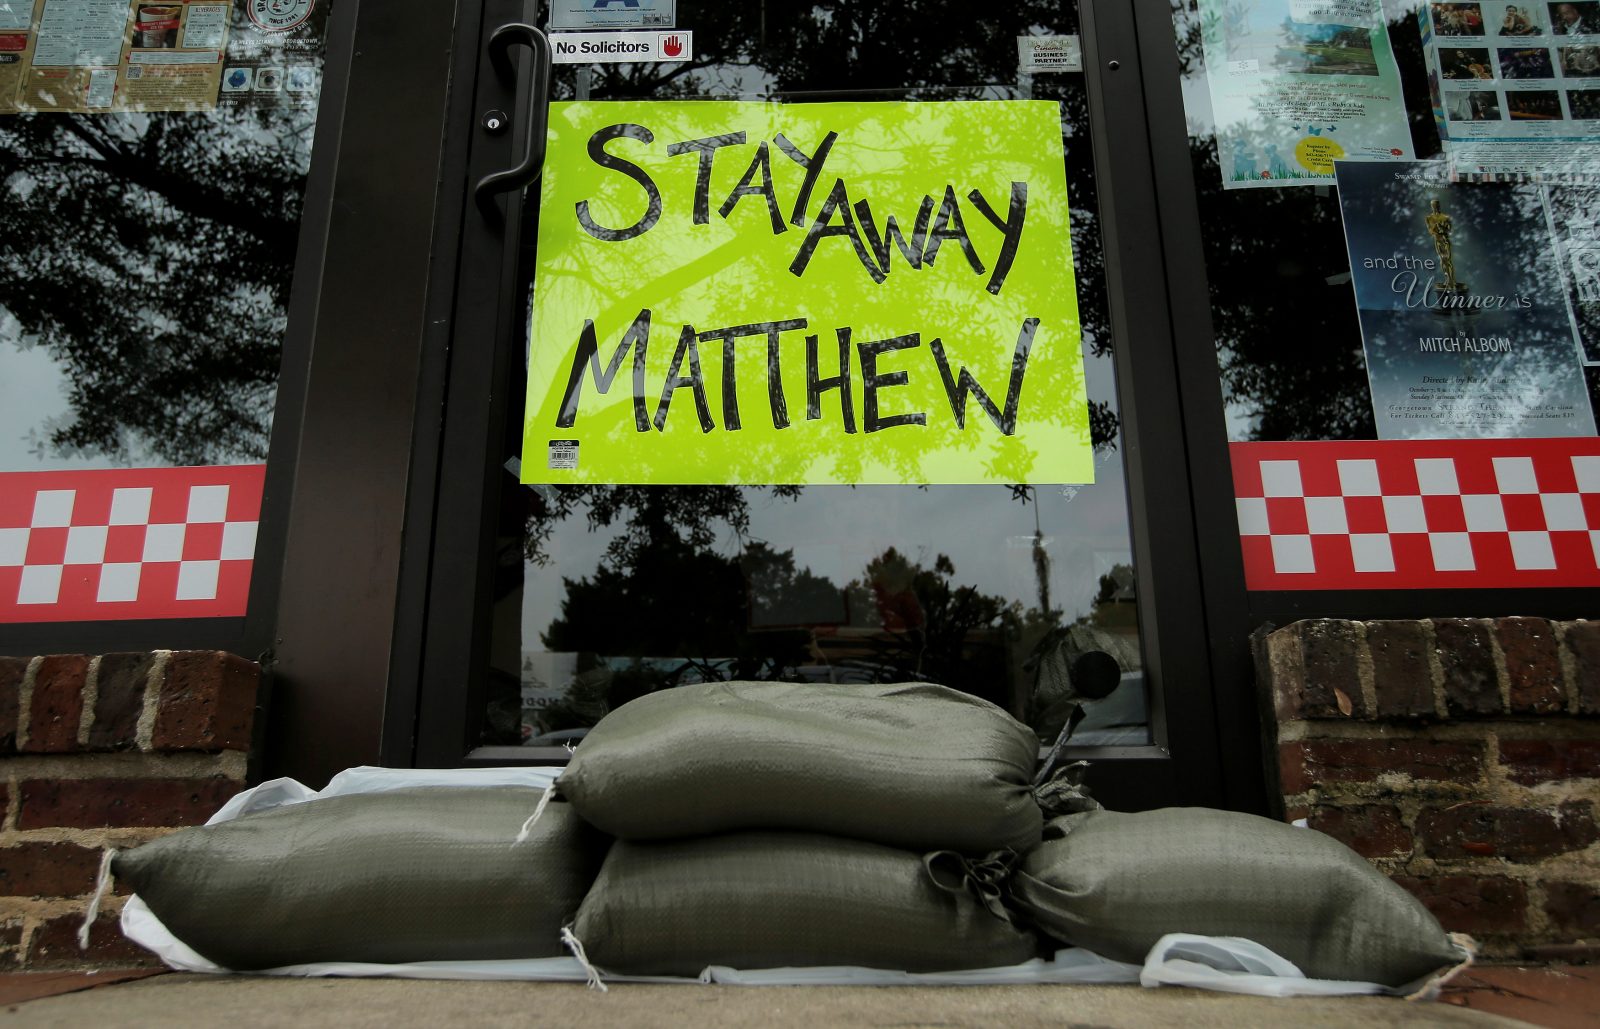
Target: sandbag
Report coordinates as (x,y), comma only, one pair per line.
(425,874)
(909,765)
(1116,883)
(780,899)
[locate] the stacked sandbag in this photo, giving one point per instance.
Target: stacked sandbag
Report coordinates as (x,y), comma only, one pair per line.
(423,874)
(765,824)
(910,765)
(1116,883)
(768,899)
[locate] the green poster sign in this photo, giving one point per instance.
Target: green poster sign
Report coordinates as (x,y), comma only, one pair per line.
(732,292)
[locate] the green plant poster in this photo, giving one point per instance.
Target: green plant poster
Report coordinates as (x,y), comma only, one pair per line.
(1298,84)
(742,292)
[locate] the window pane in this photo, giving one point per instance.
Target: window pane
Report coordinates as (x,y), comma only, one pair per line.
(153,164)
(606,592)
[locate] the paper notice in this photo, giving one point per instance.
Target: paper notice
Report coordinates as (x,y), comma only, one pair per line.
(275,62)
(16,47)
(80,33)
(206,27)
(112,55)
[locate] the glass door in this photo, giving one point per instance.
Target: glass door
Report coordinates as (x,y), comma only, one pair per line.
(578,568)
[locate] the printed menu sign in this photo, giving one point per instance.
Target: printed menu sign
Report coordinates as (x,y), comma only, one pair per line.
(731,292)
(179,55)
(1463,311)
(104,55)
(1516,86)
(1298,84)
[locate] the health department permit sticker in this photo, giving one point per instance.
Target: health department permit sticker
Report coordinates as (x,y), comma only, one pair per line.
(564,455)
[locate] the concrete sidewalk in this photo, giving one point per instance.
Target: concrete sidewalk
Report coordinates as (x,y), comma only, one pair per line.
(241,1002)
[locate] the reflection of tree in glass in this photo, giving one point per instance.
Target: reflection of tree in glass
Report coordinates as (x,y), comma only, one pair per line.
(150,255)
(757,615)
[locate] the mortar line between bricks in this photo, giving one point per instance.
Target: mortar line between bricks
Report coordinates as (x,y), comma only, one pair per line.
(1569,666)
(97,839)
(1557,728)
(90,698)
(13,797)
(1441,709)
(25,700)
(197,764)
(1366,676)
(1497,656)
(146,730)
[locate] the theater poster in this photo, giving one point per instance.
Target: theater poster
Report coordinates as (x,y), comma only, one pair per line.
(1463,307)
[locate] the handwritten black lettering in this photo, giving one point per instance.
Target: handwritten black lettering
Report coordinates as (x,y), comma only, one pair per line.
(817,385)
(838,202)
(730,387)
(763,163)
(694,380)
(958,387)
(637,336)
(872,381)
(598,154)
(707,149)
(812,165)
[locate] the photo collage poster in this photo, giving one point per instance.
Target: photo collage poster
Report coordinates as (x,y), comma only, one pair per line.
(1298,84)
(1463,303)
(1516,86)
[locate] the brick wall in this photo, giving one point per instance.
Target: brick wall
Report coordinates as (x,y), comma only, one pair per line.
(1460,756)
(105,751)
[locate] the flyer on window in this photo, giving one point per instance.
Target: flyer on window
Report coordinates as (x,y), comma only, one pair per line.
(101,56)
(1463,311)
(274,55)
(1298,84)
(1516,86)
(112,55)
(840,293)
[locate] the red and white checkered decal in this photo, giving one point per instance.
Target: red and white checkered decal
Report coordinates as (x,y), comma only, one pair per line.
(1419,514)
(127,543)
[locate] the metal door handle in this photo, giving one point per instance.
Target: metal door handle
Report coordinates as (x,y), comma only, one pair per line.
(527,170)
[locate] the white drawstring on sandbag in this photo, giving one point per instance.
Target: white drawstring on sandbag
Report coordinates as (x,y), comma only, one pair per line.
(1469,954)
(102,886)
(527,827)
(576,946)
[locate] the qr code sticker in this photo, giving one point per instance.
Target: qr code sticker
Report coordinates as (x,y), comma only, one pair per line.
(564,455)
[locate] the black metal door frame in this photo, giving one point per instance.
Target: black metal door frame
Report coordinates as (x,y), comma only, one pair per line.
(446,589)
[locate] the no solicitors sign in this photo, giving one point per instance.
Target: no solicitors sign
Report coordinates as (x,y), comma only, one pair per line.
(598,47)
